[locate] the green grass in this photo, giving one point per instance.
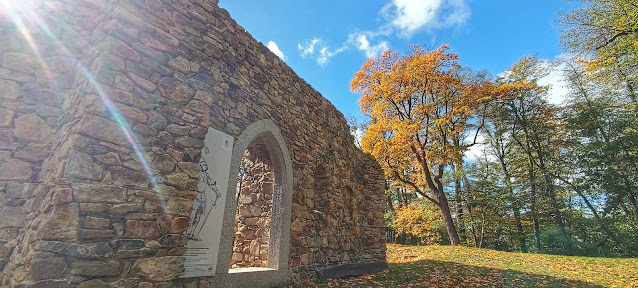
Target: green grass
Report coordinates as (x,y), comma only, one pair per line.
(446,266)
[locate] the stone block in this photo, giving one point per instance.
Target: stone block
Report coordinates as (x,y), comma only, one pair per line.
(99,193)
(173,240)
(159,268)
(129,178)
(61,196)
(94,207)
(102,129)
(16,76)
(188,142)
(179,225)
(123,83)
(129,244)
(22,190)
(61,223)
(164,163)
(180,64)
(21,58)
(13,217)
(154,42)
(126,283)
(205,97)
(156,120)
(141,82)
(5,156)
(95,283)
(5,251)
(15,169)
(6,117)
(177,130)
(10,90)
(7,141)
(96,223)
(179,180)
(91,268)
(47,268)
(82,166)
(32,129)
(8,233)
(142,229)
(133,115)
(96,234)
(110,158)
(174,89)
(31,154)
(39,96)
(121,49)
(126,208)
(198,106)
(192,169)
(179,206)
(88,250)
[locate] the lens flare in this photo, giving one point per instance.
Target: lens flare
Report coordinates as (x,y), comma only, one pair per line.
(24,16)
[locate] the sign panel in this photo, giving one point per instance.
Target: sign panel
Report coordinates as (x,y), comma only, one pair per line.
(205,227)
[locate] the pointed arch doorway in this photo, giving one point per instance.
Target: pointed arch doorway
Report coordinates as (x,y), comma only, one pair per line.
(274,270)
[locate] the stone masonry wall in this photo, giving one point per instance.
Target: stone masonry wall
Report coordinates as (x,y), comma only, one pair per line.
(37,76)
(254,211)
(104,106)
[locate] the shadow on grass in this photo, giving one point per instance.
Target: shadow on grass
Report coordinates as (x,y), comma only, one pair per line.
(429,273)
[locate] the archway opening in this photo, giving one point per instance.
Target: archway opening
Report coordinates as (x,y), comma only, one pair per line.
(259,142)
(253,216)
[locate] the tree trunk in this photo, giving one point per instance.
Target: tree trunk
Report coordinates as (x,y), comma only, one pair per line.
(632,202)
(567,242)
(519,228)
(447,219)
(472,226)
(515,207)
(459,209)
(537,231)
(537,234)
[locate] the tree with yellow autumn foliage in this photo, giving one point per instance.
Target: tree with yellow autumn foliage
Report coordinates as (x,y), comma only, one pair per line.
(421,220)
(420,105)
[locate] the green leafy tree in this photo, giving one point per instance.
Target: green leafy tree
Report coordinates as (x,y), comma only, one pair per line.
(604,34)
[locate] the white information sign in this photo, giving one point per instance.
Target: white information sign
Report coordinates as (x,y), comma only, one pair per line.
(205,227)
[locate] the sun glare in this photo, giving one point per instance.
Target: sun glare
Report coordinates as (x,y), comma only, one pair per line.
(11,7)
(24,16)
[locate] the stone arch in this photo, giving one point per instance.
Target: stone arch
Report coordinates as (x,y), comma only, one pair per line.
(277,270)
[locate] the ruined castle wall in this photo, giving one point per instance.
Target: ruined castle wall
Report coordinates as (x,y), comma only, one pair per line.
(99,148)
(38,77)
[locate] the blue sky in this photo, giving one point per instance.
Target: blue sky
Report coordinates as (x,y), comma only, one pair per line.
(326,42)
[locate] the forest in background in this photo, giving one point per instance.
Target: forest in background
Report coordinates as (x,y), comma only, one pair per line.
(554,179)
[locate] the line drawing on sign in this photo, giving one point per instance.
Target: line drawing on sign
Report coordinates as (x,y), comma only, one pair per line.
(206,183)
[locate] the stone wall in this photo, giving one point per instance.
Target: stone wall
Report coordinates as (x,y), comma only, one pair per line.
(104,106)
(254,208)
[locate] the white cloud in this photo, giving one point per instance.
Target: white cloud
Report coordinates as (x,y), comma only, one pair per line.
(554,79)
(478,150)
(363,44)
(403,18)
(409,16)
(557,87)
(310,48)
(275,49)
(324,56)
